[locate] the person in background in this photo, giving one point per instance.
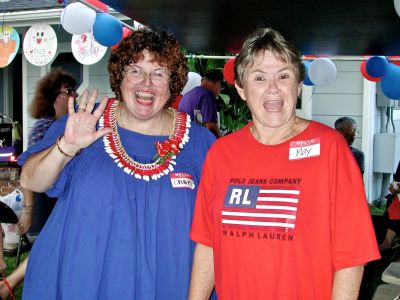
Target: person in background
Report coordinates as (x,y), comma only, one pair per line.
(347,127)
(392,213)
(273,218)
(50,102)
(126,173)
(201,102)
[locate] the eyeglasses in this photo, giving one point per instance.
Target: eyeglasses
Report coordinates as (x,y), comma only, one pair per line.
(70,92)
(135,75)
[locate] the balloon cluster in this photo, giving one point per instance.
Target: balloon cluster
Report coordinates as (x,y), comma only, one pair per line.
(78,18)
(378,68)
(320,72)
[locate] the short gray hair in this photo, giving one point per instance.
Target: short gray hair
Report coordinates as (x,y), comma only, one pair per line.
(267,39)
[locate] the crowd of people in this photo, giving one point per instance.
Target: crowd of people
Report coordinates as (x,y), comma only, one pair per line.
(151,205)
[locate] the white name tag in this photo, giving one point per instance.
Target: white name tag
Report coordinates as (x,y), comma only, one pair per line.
(182,180)
(304,149)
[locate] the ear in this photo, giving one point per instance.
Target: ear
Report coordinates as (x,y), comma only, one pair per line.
(299,87)
(240,91)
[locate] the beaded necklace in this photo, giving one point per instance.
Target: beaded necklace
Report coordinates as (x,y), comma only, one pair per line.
(164,160)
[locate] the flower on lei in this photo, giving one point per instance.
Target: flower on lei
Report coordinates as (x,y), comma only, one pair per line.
(166,149)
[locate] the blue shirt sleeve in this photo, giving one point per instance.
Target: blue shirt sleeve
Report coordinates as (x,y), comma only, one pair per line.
(49,139)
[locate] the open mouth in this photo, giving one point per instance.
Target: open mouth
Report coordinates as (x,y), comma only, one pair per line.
(145,98)
(273,105)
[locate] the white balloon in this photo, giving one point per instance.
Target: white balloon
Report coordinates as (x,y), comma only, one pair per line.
(322,72)
(397,6)
(77,18)
(194,79)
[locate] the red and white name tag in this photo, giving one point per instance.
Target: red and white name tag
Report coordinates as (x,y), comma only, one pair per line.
(304,149)
(182,180)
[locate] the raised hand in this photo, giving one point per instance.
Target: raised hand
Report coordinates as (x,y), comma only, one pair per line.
(80,130)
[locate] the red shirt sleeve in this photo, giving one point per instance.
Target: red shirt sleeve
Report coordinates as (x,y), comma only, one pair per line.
(202,224)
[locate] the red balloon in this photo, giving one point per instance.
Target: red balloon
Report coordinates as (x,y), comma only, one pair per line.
(395,62)
(125,32)
(229,73)
(98,4)
(363,70)
(175,103)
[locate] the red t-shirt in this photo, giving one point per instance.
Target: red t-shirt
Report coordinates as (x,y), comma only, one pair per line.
(281,219)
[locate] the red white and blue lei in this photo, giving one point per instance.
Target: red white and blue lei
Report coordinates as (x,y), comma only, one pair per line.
(164,160)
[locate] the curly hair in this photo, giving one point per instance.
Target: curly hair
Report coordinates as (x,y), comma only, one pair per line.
(47,91)
(267,39)
(165,50)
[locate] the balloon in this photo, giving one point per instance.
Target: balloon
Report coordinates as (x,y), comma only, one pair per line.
(229,73)
(107,30)
(175,103)
(376,66)
(125,32)
(390,83)
(98,4)
(397,6)
(395,62)
(77,18)
(194,79)
(322,72)
(307,80)
(365,74)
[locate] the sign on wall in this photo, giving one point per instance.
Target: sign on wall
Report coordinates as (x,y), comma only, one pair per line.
(40,44)
(86,49)
(9,45)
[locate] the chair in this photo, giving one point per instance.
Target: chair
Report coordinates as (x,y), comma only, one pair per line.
(7,215)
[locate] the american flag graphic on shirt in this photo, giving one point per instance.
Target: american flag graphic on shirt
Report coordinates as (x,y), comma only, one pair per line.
(261,206)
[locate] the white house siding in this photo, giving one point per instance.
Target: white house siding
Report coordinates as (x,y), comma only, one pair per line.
(98,77)
(345,97)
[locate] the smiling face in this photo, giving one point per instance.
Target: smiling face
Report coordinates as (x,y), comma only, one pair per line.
(270,88)
(145,88)
(6,36)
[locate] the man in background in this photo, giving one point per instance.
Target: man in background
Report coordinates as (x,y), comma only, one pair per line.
(200,102)
(347,127)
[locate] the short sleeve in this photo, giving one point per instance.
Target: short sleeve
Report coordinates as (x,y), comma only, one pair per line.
(202,225)
(49,139)
(353,236)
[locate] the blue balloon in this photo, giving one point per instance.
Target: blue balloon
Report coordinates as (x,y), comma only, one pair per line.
(390,83)
(376,66)
(307,80)
(107,30)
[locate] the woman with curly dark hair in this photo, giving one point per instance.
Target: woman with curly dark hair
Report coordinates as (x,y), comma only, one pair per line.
(126,173)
